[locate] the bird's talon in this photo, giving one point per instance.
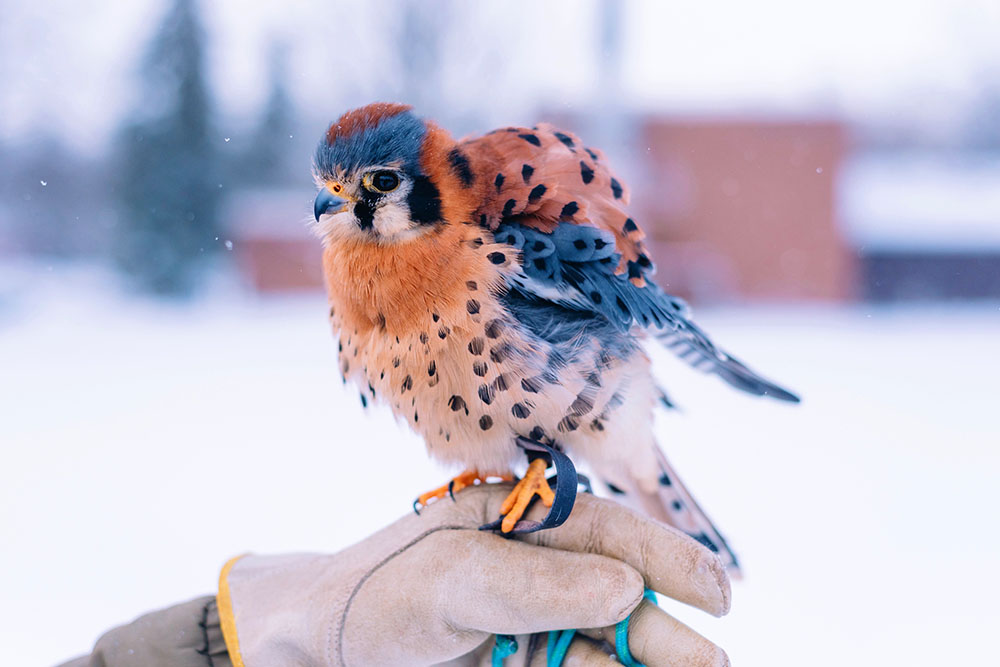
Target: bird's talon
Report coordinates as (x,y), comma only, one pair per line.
(456,484)
(532,484)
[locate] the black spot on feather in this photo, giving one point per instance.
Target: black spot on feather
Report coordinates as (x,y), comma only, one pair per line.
(497,257)
(526,172)
(500,352)
(531,139)
(536,193)
(616,188)
(457,403)
(537,433)
(614,489)
(665,480)
(630,226)
(531,385)
(485,394)
(568,423)
(460,164)
(485,422)
(586,173)
(508,207)
(582,405)
(592,154)
(494,328)
(569,210)
(707,541)
(477,345)
(520,410)
(566,139)
(472,306)
(498,181)
(480,368)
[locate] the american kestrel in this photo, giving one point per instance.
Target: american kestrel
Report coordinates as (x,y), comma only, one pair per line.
(495,288)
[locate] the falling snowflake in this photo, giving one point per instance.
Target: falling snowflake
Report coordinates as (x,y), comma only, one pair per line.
(227,140)
(229,244)
(44,183)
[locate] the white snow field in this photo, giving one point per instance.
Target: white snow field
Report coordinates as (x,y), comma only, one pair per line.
(144,444)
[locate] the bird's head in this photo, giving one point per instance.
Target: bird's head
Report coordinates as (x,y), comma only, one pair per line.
(379,179)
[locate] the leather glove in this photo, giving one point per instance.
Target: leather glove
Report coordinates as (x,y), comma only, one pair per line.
(432,589)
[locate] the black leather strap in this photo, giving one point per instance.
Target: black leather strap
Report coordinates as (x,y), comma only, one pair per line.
(565,480)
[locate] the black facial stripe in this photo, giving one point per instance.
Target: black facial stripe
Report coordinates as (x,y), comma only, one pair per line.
(424,201)
(364,211)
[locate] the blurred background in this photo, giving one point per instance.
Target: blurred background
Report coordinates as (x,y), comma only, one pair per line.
(822,182)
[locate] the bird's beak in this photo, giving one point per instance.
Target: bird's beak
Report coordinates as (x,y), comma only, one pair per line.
(327,202)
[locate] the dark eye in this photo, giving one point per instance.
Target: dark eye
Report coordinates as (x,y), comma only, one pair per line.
(385,181)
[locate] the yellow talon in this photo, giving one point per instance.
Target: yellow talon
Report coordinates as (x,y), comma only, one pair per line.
(533,483)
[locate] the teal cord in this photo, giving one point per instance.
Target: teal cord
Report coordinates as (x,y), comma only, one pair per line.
(559,641)
(504,646)
(621,637)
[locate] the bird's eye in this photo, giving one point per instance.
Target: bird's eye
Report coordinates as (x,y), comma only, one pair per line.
(385,181)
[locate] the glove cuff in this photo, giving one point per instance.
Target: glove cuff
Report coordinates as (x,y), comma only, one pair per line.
(281,610)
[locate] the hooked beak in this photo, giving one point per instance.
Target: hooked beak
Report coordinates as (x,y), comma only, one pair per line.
(327,202)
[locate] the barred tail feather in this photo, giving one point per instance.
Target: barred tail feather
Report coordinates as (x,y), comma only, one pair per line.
(673,504)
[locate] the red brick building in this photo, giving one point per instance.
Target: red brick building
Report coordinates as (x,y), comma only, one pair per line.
(745,209)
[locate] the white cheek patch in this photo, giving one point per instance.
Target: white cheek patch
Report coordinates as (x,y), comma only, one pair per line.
(337,226)
(392,221)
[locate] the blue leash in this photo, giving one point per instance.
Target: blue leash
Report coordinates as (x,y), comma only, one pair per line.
(559,641)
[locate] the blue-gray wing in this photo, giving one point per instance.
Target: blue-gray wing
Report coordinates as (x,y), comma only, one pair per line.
(573,267)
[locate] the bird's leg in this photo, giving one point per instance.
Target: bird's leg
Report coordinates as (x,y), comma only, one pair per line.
(533,483)
(456,484)
(559,500)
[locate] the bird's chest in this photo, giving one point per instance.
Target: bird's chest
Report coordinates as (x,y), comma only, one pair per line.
(470,380)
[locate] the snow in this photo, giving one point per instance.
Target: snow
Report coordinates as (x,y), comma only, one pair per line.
(144,444)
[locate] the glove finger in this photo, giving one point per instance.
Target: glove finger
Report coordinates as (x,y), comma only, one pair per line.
(656,638)
(508,587)
(671,562)
(583,652)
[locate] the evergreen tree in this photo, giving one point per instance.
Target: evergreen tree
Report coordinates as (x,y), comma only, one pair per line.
(267,156)
(169,189)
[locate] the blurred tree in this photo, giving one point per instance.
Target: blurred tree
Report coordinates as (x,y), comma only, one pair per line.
(266,160)
(169,170)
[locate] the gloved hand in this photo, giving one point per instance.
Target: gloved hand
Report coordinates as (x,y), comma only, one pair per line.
(433,589)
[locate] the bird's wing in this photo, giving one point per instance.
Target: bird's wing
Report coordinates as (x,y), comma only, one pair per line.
(559,203)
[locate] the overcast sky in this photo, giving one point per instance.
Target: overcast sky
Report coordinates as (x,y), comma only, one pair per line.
(66,67)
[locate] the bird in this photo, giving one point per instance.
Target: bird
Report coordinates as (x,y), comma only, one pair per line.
(495,289)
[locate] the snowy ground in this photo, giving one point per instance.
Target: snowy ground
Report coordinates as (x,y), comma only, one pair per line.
(144,444)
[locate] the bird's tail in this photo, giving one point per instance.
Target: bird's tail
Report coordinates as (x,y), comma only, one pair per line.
(673,504)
